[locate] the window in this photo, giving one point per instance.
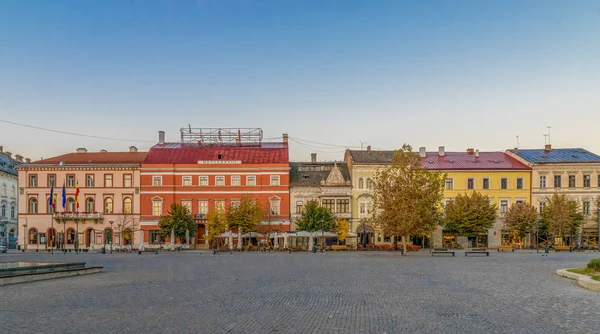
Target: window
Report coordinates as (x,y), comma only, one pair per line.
(154,236)
(70,204)
(598,182)
(3,210)
(470,184)
(13,191)
(33,180)
(541,206)
(235,180)
(542,181)
(127,181)
(89,205)
(235,203)
(449,184)
(519,183)
(299,207)
(520,201)
(186,181)
(108,205)
(586,208)
(362,208)
(275,206)
(157,181)
(188,205)
(108,180)
(486,183)
(250,180)
(71,180)
(4,190)
(220,180)
(572,181)
(343,206)
(51,180)
(12,211)
(33,205)
(51,207)
(33,236)
(203,180)
(503,183)
(587,181)
(70,236)
(557,181)
(203,207)
(89,180)
(369,183)
(220,204)
(503,206)
(274,180)
(127,205)
(329,204)
(361,183)
(157,207)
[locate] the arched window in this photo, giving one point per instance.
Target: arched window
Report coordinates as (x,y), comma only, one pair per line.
(3,210)
(70,236)
(4,189)
(369,183)
(12,211)
(33,205)
(89,205)
(33,235)
(108,205)
(127,207)
(70,204)
(13,191)
(361,183)
(275,206)
(11,234)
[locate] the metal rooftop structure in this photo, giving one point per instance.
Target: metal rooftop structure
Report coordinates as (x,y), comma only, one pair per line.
(221,136)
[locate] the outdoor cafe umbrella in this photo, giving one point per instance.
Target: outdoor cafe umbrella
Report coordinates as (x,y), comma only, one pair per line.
(187,237)
(239,245)
(173,239)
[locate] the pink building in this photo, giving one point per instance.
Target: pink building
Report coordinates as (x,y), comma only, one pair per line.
(109,206)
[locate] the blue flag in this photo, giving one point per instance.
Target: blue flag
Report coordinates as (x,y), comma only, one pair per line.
(64,197)
(52,204)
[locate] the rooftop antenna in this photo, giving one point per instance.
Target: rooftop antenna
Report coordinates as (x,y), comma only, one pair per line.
(545,139)
(517,141)
(548,127)
(361,144)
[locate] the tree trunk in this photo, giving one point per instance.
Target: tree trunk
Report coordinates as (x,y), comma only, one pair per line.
(404,240)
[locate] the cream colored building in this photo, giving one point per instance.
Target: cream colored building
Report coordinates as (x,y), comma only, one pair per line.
(573,171)
(109,205)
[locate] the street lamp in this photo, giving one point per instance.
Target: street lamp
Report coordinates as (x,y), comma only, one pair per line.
(25,234)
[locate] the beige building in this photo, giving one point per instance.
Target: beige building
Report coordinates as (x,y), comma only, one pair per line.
(573,171)
(109,205)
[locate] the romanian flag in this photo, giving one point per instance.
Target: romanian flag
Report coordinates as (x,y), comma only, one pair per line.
(64,197)
(77,197)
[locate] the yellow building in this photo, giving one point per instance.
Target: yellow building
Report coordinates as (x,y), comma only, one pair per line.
(495,174)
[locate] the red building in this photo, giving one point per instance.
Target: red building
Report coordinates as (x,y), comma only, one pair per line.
(212,168)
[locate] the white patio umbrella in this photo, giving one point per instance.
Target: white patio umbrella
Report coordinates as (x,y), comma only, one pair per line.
(253,235)
(239,244)
(310,242)
(325,234)
(286,237)
(92,237)
(276,243)
(303,234)
(187,237)
(352,235)
(230,241)
(172,239)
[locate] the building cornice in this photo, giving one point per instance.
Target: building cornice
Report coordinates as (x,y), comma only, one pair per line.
(36,168)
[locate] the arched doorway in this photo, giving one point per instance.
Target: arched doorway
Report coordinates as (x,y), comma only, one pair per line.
(70,236)
(366,234)
(88,237)
(51,237)
(33,236)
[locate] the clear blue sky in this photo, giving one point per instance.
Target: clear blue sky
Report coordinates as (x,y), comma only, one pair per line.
(454,73)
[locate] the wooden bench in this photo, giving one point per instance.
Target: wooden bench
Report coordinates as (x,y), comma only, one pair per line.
(563,249)
(446,252)
(339,247)
(478,249)
(503,248)
(477,252)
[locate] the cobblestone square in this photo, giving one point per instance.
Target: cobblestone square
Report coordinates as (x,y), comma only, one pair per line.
(357,292)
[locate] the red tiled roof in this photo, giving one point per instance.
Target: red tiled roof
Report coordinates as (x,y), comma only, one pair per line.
(176,153)
(100,158)
(466,161)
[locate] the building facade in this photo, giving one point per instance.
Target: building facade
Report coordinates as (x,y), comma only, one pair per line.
(215,173)
(326,182)
(572,171)
(9,227)
(109,200)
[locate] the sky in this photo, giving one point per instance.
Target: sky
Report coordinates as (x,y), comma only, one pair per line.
(332,74)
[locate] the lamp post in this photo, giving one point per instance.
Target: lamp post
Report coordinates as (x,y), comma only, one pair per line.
(537,228)
(25,234)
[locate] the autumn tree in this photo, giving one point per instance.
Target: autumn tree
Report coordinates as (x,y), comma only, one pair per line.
(216,223)
(407,197)
(315,217)
(520,219)
(562,215)
(470,215)
(178,219)
(245,215)
(342,228)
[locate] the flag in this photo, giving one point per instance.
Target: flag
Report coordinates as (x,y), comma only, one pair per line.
(64,197)
(77,197)
(52,200)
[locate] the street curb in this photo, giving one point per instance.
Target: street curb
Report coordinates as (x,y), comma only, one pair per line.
(583,281)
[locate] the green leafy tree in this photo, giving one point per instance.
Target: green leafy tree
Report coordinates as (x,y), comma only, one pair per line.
(407,197)
(520,219)
(179,219)
(562,215)
(315,217)
(216,222)
(470,215)
(245,215)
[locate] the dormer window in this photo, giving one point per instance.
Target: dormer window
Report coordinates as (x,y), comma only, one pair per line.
(219,157)
(304,177)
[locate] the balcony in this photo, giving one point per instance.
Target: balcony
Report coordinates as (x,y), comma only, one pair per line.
(199,216)
(81,216)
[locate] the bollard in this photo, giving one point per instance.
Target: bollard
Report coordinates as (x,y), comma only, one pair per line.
(314,249)
(155,252)
(139,252)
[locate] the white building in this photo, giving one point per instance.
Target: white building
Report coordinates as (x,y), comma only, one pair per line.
(9,227)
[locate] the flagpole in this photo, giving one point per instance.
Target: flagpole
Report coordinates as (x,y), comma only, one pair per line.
(52,219)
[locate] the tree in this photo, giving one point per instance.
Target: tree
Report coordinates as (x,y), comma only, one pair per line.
(520,219)
(315,217)
(470,215)
(245,215)
(342,228)
(562,215)
(125,227)
(407,197)
(216,224)
(179,219)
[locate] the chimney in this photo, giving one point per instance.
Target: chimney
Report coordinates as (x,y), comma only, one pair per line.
(133,149)
(422,152)
(313,158)
(369,148)
(285,137)
(470,150)
(548,147)
(161,137)
(516,150)
(81,150)
(476,153)
(441,151)
(9,154)
(1,149)
(19,158)
(27,160)
(103,151)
